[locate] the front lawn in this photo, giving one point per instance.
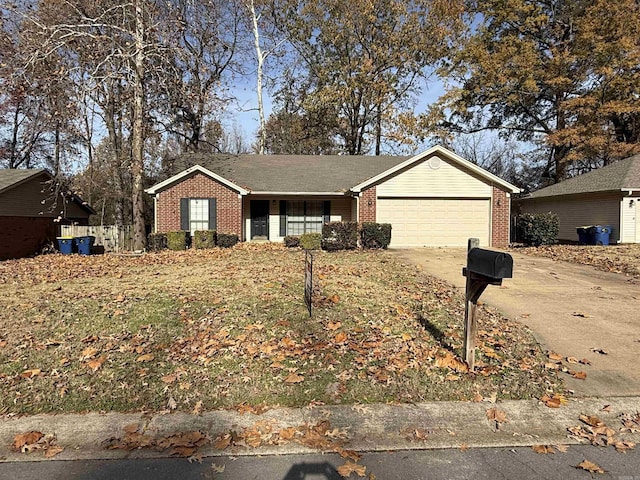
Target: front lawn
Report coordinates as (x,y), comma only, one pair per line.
(199,330)
(613,258)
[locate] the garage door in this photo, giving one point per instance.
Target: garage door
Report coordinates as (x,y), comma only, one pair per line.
(435,222)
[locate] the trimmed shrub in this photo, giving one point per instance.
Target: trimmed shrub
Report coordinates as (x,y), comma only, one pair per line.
(156,242)
(204,239)
(178,240)
(227,240)
(537,228)
(311,241)
(291,241)
(339,236)
(375,235)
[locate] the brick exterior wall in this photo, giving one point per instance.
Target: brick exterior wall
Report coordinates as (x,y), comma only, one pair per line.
(228,204)
(500,221)
(367,212)
(24,236)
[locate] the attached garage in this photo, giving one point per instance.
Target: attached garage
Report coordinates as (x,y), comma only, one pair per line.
(439,199)
(436,221)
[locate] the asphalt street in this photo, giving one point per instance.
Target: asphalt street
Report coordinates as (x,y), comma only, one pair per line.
(520,463)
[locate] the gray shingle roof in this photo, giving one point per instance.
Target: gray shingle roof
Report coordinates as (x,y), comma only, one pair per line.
(11,177)
(289,173)
(624,174)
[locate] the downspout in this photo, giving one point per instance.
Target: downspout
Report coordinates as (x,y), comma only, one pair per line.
(155,213)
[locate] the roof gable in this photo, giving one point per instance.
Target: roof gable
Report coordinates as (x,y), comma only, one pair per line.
(11,178)
(449,155)
(618,176)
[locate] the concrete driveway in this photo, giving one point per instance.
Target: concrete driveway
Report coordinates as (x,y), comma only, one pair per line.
(572,310)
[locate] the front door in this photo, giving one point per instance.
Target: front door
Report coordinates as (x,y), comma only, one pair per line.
(260,219)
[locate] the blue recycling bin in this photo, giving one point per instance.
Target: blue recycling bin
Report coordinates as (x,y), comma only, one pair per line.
(65,245)
(583,234)
(84,244)
(600,234)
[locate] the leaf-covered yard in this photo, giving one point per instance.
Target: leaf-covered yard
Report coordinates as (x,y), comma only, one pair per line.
(206,329)
(613,258)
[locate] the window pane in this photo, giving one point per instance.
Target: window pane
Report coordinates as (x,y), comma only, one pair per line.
(304,217)
(198,214)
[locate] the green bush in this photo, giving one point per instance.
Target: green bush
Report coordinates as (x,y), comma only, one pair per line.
(375,235)
(537,228)
(156,242)
(311,241)
(178,240)
(291,241)
(227,240)
(339,236)
(204,239)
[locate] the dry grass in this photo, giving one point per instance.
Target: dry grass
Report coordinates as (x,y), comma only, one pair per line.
(228,328)
(613,258)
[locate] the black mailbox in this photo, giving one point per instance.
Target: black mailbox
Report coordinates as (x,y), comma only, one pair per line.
(489,263)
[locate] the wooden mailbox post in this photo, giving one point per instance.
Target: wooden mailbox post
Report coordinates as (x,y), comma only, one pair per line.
(484,267)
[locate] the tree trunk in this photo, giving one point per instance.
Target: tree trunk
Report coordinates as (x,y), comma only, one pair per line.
(262,139)
(378,128)
(137,141)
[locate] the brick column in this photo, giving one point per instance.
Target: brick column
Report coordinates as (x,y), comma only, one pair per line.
(367,211)
(500,221)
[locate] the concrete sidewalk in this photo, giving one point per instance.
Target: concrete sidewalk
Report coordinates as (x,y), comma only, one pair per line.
(371,428)
(572,310)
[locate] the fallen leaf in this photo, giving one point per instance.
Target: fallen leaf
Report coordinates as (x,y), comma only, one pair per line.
(497,415)
(88,352)
(222,442)
(28,438)
(145,358)
(592,420)
(624,445)
(556,401)
(555,356)
(348,468)
(600,351)
(561,448)
(294,378)
(287,433)
(341,337)
(197,408)
(53,450)
(578,375)
(581,314)
(96,363)
(350,454)
(543,449)
(334,326)
(217,468)
(572,360)
(34,372)
(590,467)
(606,408)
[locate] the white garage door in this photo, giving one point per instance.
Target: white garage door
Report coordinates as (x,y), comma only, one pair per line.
(435,222)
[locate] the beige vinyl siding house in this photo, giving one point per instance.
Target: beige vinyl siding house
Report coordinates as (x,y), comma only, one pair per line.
(433,198)
(437,195)
(607,196)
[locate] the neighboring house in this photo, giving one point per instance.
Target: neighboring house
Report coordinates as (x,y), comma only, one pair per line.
(606,196)
(434,198)
(30,211)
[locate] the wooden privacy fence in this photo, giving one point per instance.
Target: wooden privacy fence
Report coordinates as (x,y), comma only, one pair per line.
(113,238)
